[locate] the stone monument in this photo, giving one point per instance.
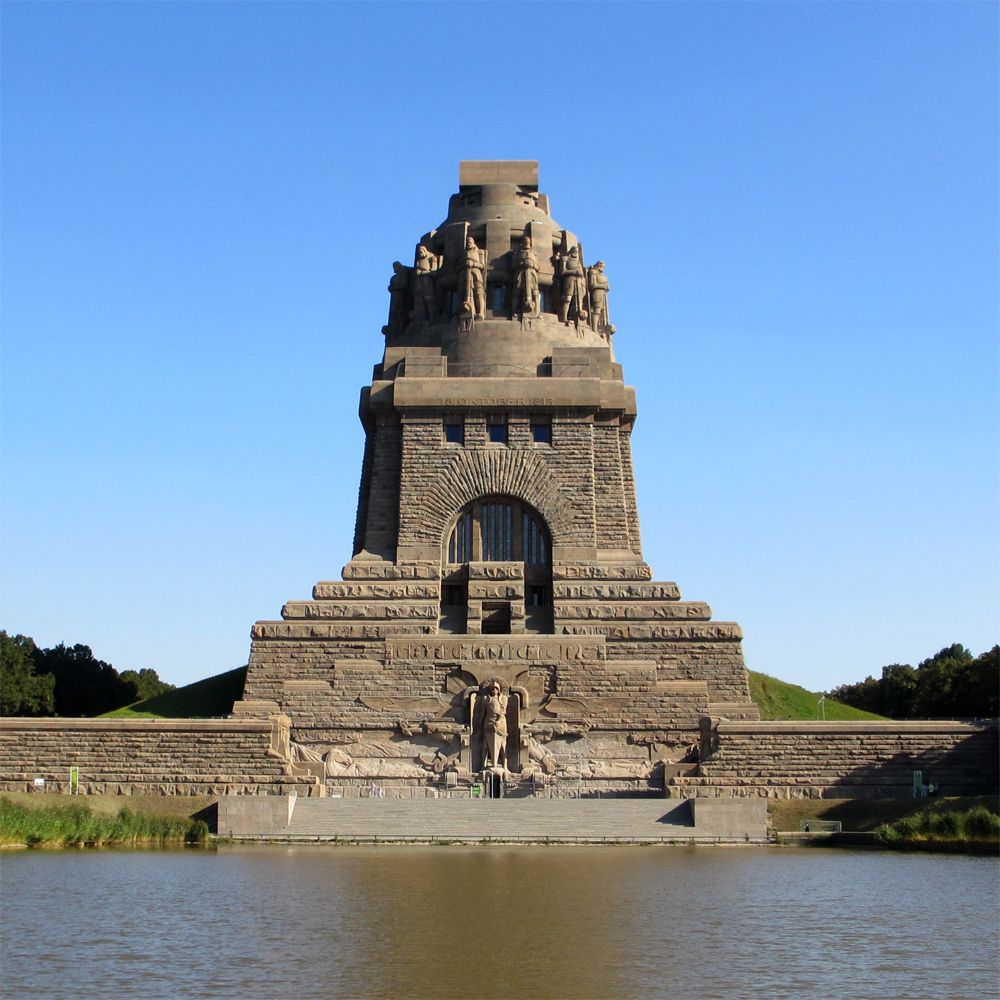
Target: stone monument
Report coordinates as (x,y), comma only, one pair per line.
(497,627)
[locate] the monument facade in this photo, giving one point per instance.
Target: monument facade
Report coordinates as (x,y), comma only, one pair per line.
(497,625)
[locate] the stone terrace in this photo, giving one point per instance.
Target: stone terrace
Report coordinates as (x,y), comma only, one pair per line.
(150,756)
(842,759)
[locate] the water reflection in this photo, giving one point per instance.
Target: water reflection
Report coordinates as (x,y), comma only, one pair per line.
(587,922)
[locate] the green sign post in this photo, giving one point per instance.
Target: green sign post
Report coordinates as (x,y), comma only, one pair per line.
(918,783)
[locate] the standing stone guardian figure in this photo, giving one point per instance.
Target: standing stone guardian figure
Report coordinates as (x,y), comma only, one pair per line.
(399,288)
(425,269)
(598,286)
(572,287)
(526,297)
(473,282)
(494,725)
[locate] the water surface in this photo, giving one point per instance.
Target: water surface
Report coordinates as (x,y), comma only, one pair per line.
(304,922)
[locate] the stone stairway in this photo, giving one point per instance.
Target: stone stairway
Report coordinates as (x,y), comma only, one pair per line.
(503,819)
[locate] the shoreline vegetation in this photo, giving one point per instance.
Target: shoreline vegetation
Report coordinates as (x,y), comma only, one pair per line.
(968,824)
(959,824)
(976,829)
(77,825)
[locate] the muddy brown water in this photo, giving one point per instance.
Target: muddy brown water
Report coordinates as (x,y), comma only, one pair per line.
(304,922)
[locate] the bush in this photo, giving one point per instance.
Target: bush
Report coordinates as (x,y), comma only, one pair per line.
(976,824)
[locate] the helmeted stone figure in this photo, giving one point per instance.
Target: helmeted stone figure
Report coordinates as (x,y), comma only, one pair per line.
(598,287)
(425,268)
(494,725)
(525,266)
(497,561)
(399,289)
(473,283)
(572,287)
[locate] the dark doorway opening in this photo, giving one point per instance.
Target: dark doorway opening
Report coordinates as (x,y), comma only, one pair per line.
(496,619)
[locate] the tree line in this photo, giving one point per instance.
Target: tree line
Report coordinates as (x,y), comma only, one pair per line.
(66,680)
(951,684)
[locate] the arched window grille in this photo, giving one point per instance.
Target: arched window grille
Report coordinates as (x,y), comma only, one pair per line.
(498,530)
(460,543)
(535,549)
(496,526)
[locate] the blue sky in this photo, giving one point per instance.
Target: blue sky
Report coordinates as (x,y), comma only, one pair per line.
(797,203)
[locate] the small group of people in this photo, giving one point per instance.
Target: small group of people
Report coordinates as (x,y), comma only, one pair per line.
(376,792)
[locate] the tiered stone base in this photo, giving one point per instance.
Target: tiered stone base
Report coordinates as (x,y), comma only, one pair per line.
(151,757)
(841,759)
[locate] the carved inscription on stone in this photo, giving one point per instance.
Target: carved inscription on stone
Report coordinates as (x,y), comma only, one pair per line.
(710,632)
(359,610)
(496,571)
(497,401)
(583,572)
(618,591)
(638,612)
(376,591)
(335,630)
(494,592)
(463,648)
(390,571)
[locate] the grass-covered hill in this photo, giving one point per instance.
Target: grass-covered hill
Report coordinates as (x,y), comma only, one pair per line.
(778,700)
(205,699)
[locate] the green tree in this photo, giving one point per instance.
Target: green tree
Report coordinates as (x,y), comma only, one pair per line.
(983,675)
(84,685)
(941,688)
(145,683)
(22,691)
(950,684)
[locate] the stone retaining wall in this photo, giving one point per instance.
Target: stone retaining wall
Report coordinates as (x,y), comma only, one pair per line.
(152,756)
(841,759)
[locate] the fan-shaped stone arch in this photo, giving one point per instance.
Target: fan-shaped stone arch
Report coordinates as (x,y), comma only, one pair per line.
(475,474)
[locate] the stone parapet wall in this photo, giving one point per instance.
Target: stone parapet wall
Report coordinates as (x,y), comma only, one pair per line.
(841,759)
(151,756)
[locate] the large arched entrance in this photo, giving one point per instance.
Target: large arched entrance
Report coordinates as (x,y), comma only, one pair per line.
(496,529)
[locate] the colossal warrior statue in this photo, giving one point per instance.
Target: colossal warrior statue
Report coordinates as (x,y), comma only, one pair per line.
(525,279)
(496,625)
(573,287)
(425,265)
(473,285)
(399,285)
(597,285)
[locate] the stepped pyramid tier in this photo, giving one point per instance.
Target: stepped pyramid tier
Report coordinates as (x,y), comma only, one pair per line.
(497,624)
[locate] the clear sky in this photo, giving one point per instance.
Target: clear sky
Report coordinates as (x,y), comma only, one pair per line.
(797,203)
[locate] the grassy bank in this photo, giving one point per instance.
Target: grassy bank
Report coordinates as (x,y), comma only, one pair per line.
(207,699)
(76,824)
(779,700)
(932,829)
(867,815)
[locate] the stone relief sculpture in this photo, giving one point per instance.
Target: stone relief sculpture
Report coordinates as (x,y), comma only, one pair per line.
(597,284)
(526,297)
(540,759)
(495,725)
(473,283)
(572,286)
(399,289)
(425,268)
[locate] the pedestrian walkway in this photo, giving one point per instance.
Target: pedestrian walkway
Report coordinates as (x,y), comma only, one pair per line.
(463,820)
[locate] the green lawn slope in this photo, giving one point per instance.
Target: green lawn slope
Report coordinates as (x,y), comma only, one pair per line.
(205,699)
(778,700)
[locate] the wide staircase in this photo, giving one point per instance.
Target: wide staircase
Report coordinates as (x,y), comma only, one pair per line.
(583,820)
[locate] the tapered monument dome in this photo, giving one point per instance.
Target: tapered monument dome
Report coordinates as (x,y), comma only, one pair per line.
(499,282)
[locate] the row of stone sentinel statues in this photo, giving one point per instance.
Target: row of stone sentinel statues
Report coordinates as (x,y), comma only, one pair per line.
(582,291)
